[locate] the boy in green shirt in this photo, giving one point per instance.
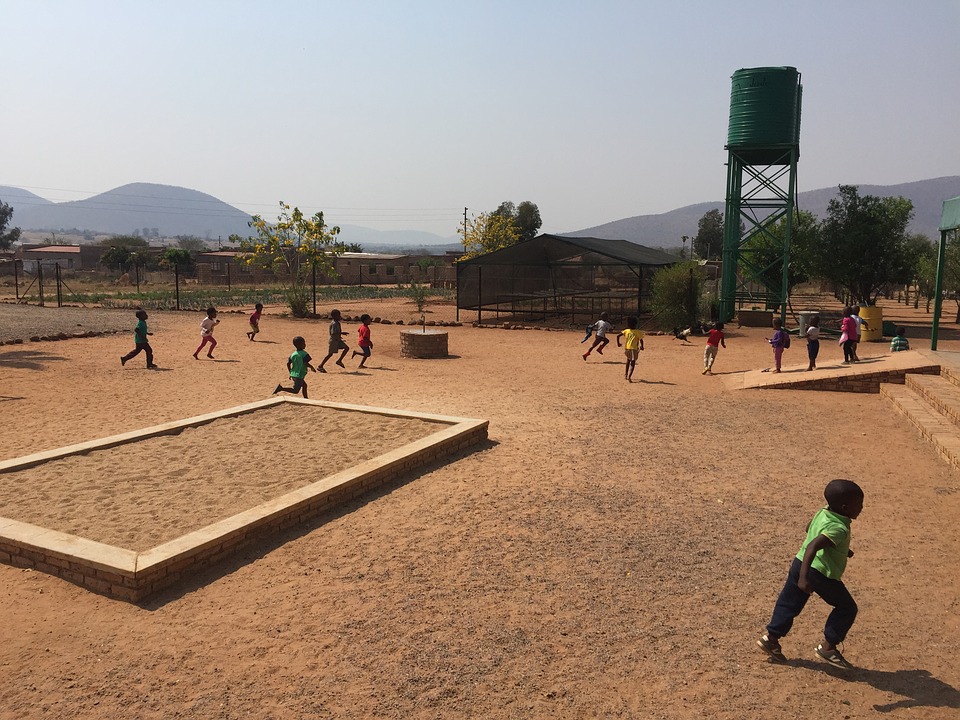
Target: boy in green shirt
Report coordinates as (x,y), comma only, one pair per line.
(140,341)
(297,365)
(817,568)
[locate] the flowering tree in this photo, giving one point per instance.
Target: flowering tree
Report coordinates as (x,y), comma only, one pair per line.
(292,247)
(487,233)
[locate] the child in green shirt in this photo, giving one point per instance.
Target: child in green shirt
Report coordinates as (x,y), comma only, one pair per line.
(817,568)
(140,341)
(297,365)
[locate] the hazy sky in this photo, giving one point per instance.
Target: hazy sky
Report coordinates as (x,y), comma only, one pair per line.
(397,115)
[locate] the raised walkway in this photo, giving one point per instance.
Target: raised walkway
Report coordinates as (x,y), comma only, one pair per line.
(924,386)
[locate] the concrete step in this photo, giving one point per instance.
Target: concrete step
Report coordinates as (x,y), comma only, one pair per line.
(950,374)
(933,425)
(939,392)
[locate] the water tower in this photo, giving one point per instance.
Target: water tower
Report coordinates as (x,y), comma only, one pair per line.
(763,145)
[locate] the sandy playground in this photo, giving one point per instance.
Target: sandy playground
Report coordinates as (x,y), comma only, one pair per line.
(612,551)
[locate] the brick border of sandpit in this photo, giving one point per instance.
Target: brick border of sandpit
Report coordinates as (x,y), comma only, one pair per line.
(132,576)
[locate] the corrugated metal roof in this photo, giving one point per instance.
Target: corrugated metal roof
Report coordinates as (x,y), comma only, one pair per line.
(59,249)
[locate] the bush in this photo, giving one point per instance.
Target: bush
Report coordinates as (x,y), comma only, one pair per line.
(678,295)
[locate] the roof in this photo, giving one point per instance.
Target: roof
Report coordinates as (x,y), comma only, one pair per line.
(58,249)
(369,256)
(556,249)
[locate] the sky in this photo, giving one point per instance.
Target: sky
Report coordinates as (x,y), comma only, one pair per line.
(398,115)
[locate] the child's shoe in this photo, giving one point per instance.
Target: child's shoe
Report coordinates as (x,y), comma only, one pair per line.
(771,648)
(123,360)
(833,657)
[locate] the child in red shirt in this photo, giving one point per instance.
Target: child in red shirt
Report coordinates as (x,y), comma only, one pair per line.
(714,343)
(364,341)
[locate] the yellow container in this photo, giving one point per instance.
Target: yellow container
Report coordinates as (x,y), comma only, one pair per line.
(873,317)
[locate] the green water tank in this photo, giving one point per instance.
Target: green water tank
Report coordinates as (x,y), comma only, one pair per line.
(764,113)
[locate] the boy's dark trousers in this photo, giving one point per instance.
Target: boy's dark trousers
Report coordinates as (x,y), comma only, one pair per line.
(141,347)
(792,600)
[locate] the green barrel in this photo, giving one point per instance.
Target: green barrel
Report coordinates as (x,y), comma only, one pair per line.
(764,112)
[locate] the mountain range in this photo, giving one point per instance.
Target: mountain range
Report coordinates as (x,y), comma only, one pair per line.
(173,211)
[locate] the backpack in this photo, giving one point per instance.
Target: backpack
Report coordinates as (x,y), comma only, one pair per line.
(786,340)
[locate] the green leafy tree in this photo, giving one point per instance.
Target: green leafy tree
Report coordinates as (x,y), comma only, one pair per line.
(7,237)
(176,257)
(764,251)
(292,247)
(116,257)
(143,259)
(525,218)
(487,233)
(708,243)
(350,247)
(192,244)
(127,241)
(862,244)
(678,295)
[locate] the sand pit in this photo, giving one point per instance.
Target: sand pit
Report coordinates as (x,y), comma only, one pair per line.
(147,492)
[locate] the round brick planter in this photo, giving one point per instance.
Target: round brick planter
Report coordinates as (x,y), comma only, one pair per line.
(420,344)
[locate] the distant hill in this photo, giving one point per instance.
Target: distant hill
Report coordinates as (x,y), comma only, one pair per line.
(171,210)
(666,229)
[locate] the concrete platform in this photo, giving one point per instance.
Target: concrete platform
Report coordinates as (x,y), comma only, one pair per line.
(864,376)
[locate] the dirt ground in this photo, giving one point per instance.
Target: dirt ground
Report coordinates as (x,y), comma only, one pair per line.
(614,550)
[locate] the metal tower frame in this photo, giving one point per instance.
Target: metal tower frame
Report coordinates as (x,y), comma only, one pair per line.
(759,195)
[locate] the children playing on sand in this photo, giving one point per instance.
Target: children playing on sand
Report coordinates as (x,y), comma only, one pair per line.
(602,327)
(255,321)
(633,344)
(779,341)
(141,344)
(899,342)
(206,333)
(363,341)
(297,365)
(336,341)
(813,341)
(817,568)
(714,342)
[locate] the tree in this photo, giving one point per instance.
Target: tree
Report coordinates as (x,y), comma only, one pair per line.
(525,218)
(862,244)
(116,257)
(127,241)
(191,243)
(764,251)
(292,248)
(176,257)
(528,220)
(7,238)
(488,232)
(350,247)
(678,295)
(708,243)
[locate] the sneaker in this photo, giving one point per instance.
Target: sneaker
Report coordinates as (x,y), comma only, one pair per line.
(771,648)
(705,371)
(123,360)
(152,367)
(834,657)
(278,389)
(584,356)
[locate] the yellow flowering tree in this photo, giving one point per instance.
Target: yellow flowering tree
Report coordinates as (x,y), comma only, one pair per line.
(292,247)
(487,232)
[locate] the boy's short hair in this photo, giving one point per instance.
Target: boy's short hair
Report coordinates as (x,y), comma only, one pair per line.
(334,314)
(298,341)
(141,313)
(604,316)
(365,318)
(838,492)
(258,306)
(718,326)
(901,331)
(632,322)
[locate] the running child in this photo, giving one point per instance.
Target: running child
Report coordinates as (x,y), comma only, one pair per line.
(817,568)
(255,321)
(861,323)
(297,365)
(848,336)
(336,341)
(714,343)
(363,341)
(633,344)
(140,342)
(206,333)
(813,341)
(600,341)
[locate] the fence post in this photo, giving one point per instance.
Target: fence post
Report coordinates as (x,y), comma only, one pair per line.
(314,281)
(16,278)
(136,275)
(228,276)
(176,280)
(40,280)
(56,268)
